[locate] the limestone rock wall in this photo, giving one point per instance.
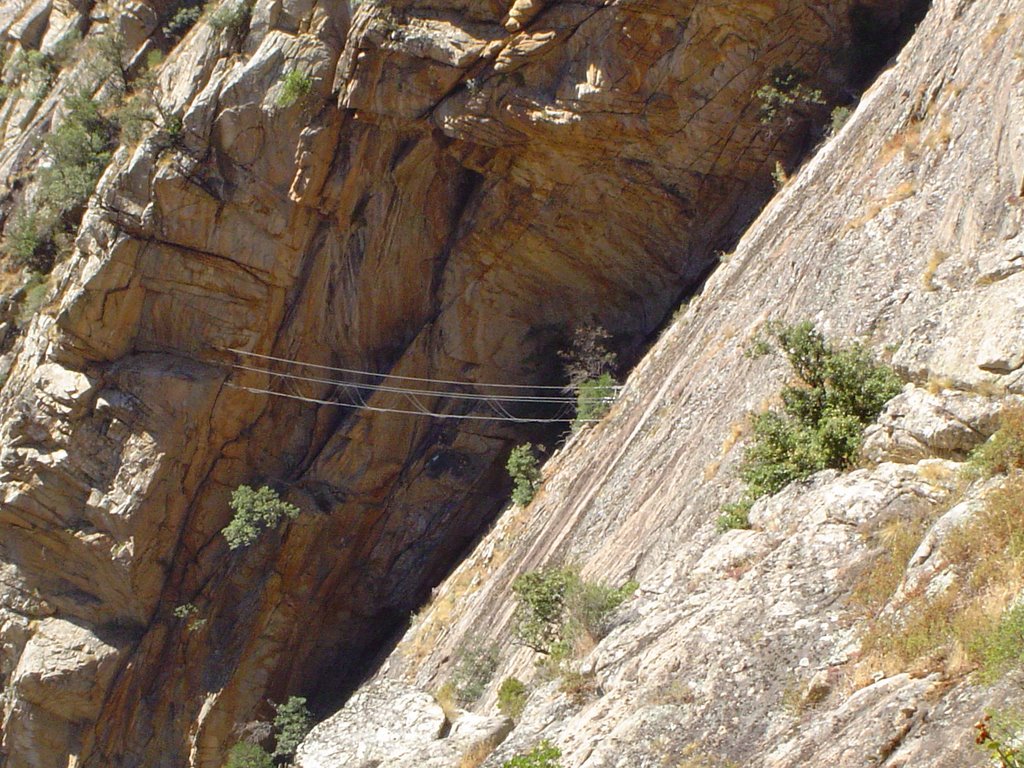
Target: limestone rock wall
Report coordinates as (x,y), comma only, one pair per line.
(462,183)
(744,648)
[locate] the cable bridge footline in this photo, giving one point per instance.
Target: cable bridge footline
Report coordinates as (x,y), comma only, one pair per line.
(412,391)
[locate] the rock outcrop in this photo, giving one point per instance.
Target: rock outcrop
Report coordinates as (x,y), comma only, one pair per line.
(747,648)
(457,187)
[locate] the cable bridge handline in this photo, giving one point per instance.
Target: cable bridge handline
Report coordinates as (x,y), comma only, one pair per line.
(354,391)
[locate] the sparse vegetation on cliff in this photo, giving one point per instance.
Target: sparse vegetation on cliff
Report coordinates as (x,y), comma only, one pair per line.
(556,608)
(999,737)
(247,755)
(837,393)
(1004,451)
(524,469)
(473,670)
(544,755)
(512,696)
(295,86)
(975,623)
(786,94)
(256,511)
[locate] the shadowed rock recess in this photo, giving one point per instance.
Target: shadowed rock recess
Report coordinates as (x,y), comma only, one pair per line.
(462,184)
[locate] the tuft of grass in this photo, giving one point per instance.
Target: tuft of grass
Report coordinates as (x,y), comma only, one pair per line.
(295,86)
(975,624)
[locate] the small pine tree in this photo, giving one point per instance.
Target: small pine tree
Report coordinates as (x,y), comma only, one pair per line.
(291,724)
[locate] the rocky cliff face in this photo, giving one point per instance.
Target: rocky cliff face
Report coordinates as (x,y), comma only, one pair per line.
(751,647)
(459,185)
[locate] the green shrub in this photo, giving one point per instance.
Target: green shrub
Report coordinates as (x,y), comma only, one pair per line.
(786,95)
(182,20)
(295,85)
(291,725)
(524,469)
(78,150)
(594,398)
(28,240)
(735,516)
(1002,648)
(473,671)
(1004,451)
(231,17)
(544,755)
(838,119)
(36,289)
(512,696)
(247,755)
(31,72)
(555,607)
(255,512)
(837,393)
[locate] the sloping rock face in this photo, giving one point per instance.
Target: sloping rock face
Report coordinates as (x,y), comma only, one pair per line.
(742,648)
(460,184)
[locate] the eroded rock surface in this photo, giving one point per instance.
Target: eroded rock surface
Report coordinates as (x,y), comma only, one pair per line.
(744,647)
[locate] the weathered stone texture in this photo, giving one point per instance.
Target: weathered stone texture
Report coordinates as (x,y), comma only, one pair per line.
(462,184)
(741,647)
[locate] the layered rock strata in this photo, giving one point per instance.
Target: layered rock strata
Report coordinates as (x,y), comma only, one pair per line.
(460,184)
(746,648)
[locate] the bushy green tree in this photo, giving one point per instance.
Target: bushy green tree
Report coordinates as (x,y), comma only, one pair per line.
(554,606)
(291,725)
(255,512)
(838,392)
(524,469)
